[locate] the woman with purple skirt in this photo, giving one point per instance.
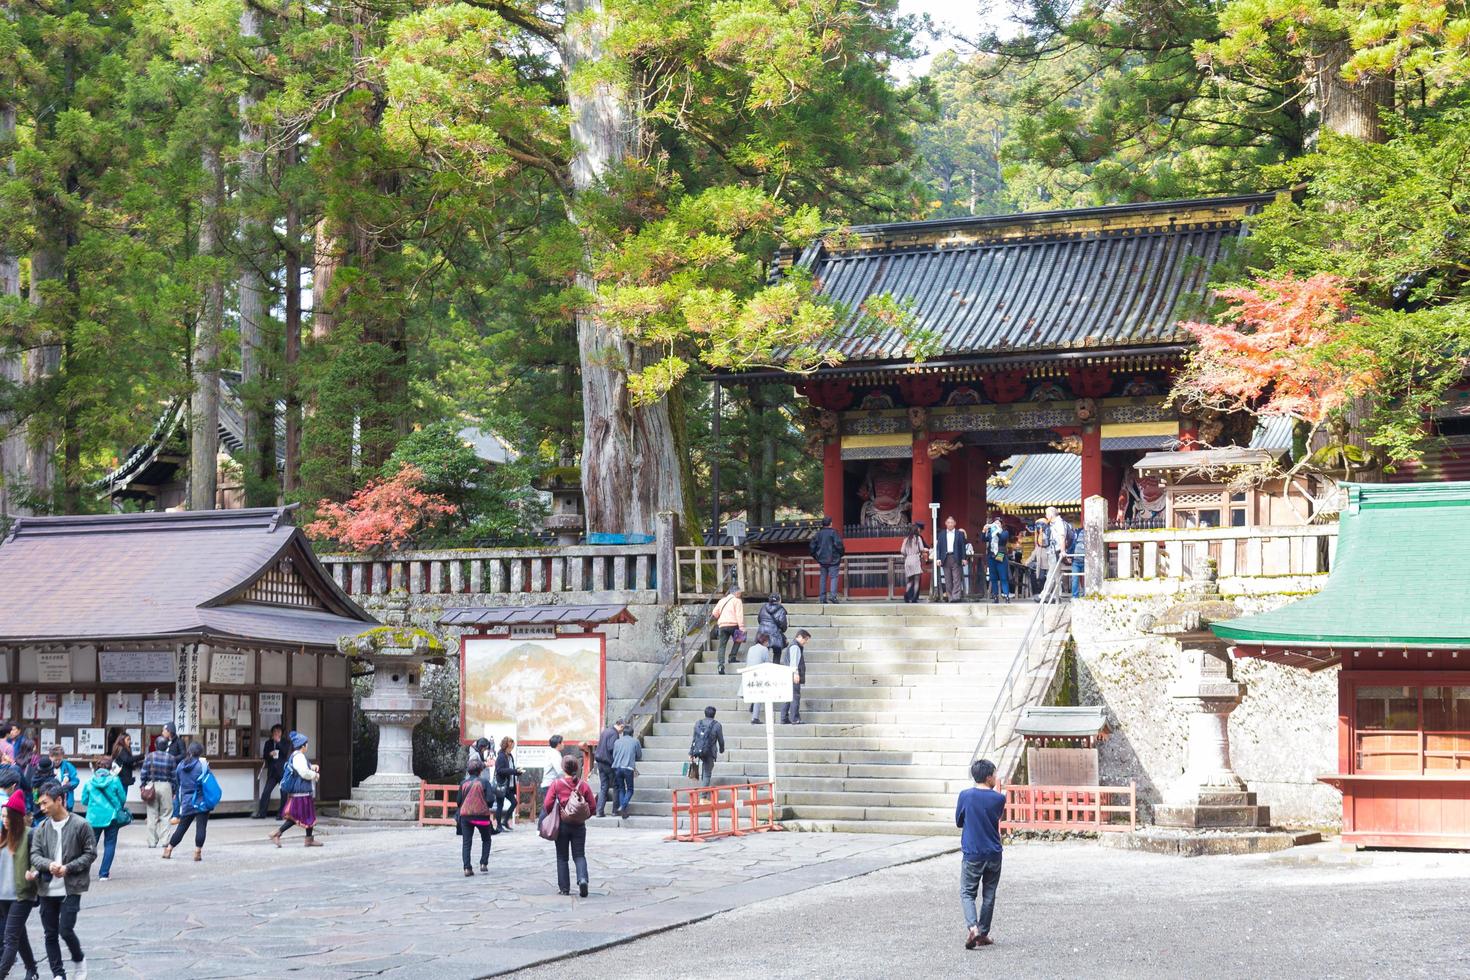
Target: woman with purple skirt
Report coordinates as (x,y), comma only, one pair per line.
(299,784)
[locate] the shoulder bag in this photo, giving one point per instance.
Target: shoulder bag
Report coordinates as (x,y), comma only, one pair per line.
(550,823)
(575,810)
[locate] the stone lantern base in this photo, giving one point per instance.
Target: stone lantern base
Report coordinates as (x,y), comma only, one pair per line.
(385,796)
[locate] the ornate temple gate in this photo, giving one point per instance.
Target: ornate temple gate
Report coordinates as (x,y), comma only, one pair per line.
(1050,332)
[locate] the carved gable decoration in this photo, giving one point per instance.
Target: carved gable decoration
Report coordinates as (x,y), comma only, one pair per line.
(283,585)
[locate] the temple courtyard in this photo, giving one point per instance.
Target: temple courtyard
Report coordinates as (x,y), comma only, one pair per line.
(392,903)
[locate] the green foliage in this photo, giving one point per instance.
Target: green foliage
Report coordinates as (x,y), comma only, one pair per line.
(494,503)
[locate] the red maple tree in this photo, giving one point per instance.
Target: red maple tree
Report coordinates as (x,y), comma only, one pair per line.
(384,514)
(1280,348)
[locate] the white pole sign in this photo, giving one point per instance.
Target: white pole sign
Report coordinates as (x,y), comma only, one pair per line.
(768,684)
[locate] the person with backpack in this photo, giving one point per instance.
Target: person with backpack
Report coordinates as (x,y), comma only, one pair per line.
(198,794)
(299,784)
(474,814)
(17,886)
(729,616)
(706,745)
(105,798)
(63,848)
(572,800)
(1058,539)
(772,621)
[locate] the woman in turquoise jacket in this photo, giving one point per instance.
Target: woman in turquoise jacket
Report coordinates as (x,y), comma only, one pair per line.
(105,799)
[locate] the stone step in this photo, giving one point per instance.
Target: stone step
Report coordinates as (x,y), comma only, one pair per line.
(828,763)
(888,714)
(906,828)
(727,774)
(822,728)
(916,668)
(755,767)
(920,709)
(752,738)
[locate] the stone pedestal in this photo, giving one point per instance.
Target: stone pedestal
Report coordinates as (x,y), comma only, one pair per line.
(397,655)
(1209,794)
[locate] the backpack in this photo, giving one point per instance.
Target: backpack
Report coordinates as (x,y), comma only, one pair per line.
(475,805)
(207,796)
(699,747)
(290,779)
(1071,540)
(575,810)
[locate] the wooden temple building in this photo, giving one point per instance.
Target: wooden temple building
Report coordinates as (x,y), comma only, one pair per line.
(222,622)
(1045,333)
(1395,617)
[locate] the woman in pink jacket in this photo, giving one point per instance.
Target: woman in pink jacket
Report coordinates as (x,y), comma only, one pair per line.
(729,615)
(572,835)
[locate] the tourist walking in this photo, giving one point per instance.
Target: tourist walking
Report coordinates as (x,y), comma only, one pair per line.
(796,660)
(772,620)
(603,757)
(729,615)
(274,751)
(551,765)
(913,551)
(1040,560)
(571,834)
(977,813)
(158,784)
(193,805)
(299,782)
(63,848)
(827,550)
(997,565)
(125,761)
(760,653)
(949,548)
(105,798)
(1079,560)
(626,753)
(66,774)
(483,752)
(507,776)
(706,745)
(1058,538)
(17,887)
(7,744)
(474,814)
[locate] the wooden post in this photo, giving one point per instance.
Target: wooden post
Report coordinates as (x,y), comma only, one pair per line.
(1095,523)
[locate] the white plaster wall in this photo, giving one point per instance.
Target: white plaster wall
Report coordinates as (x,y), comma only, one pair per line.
(1283,735)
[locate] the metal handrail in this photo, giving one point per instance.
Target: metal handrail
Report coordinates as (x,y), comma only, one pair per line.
(1035,630)
(642,716)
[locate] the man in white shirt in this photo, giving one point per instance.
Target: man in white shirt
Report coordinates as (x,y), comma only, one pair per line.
(1057,532)
(551,769)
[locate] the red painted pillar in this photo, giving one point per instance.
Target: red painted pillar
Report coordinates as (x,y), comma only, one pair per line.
(1092,463)
(923,479)
(832,496)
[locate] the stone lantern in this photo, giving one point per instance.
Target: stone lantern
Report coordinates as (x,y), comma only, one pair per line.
(398,655)
(1209,794)
(566,520)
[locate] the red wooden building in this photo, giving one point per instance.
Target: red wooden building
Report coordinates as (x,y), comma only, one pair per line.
(1051,332)
(1395,617)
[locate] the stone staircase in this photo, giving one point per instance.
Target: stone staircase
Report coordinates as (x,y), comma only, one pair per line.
(895,699)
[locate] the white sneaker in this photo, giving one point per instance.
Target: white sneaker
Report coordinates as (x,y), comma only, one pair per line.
(80,973)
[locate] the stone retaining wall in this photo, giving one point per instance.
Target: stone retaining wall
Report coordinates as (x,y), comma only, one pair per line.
(1283,735)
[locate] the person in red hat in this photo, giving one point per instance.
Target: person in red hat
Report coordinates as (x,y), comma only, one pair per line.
(17,886)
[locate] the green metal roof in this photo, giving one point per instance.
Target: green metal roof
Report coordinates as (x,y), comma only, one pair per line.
(1401,578)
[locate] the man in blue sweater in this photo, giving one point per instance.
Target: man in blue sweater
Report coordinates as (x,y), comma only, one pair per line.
(977,813)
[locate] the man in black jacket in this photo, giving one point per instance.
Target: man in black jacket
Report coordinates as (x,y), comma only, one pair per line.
(827,549)
(275,751)
(602,756)
(949,548)
(706,745)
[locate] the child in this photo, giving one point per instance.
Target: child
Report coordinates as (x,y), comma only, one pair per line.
(66,774)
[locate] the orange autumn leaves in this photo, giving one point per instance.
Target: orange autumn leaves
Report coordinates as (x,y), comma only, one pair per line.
(383,515)
(1282,347)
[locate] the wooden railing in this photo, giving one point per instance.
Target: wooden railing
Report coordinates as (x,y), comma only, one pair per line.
(577,568)
(1096,809)
(1236,551)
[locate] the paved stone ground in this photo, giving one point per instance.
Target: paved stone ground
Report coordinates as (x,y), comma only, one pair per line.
(393,903)
(1078,910)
